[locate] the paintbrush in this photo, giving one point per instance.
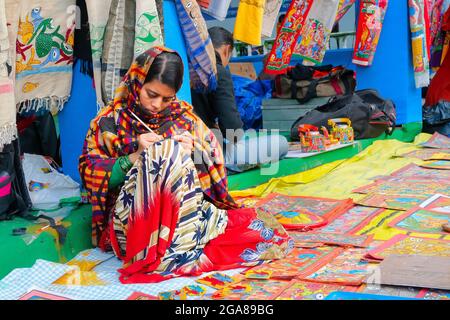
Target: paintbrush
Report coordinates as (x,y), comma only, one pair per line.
(142,122)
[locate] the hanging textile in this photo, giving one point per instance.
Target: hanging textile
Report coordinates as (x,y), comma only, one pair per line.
(315,36)
(217,8)
(419,42)
(371,17)
(148,29)
(201,54)
(8,129)
(118,46)
(437,35)
(44,55)
(82,48)
(249,20)
(270,18)
(98,13)
(291,28)
(344,6)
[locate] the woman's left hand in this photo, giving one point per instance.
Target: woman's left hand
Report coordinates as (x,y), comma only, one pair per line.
(186,140)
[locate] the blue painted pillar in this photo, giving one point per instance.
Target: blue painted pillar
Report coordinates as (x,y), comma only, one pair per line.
(174,39)
(392,71)
(76,116)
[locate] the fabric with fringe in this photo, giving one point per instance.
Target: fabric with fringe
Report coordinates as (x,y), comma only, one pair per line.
(44,55)
(201,53)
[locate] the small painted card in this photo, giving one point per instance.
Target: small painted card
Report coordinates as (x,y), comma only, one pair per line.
(216,280)
(38,294)
(141,296)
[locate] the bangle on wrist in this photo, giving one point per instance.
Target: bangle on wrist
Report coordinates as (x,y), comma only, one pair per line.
(125,164)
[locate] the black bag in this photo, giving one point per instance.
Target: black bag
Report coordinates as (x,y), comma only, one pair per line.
(14,197)
(370,114)
(305,83)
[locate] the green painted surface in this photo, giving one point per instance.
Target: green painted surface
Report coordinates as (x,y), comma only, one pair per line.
(15,253)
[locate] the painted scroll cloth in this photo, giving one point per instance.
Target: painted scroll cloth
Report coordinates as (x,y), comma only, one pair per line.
(201,54)
(344,6)
(422,221)
(98,13)
(8,129)
(148,29)
(249,21)
(44,55)
(390,201)
(218,9)
(118,50)
(437,34)
(305,290)
(437,141)
(323,207)
(417,172)
(368,32)
(313,41)
(419,42)
(252,290)
(429,154)
(403,244)
(270,18)
(292,27)
(336,239)
(301,261)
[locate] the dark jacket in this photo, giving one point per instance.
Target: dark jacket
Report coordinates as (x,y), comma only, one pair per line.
(219,106)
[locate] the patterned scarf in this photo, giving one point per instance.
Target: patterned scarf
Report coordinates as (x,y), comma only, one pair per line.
(216,8)
(118,50)
(98,13)
(344,6)
(8,129)
(437,34)
(418,25)
(249,20)
(148,27)
(315,36)
(291,28)
(201,54)
(271,11)
(44,55)
(370,23)
(113,133)
(82,48)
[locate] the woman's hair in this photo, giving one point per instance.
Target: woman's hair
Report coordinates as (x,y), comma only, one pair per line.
(168,69)
(220,37)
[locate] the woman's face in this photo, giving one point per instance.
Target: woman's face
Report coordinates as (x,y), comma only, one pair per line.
(155,96)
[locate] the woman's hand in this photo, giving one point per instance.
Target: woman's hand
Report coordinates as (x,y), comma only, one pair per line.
(186,140)
(144,141)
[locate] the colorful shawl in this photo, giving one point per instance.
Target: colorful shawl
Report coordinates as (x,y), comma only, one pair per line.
(292,27)
(113,133)
(201,54)
(315,36)
(270,18)
(216,8)
(437,34)
(249,21)
(419,29)
(118,48)
(44,55)
(8,129)
(370,23)
(148,28)
(98,13)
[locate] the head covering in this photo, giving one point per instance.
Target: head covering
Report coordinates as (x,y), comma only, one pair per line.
(114,132)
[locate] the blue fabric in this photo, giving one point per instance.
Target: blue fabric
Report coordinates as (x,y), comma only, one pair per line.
(249,95)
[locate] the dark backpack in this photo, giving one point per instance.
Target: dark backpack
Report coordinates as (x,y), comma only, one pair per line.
(370,114)
(305,83)
(14,197)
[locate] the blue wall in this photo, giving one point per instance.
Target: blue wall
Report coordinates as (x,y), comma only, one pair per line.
(76,116)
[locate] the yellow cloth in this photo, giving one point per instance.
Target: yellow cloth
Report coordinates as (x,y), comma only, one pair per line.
(337,179)
(249,19)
